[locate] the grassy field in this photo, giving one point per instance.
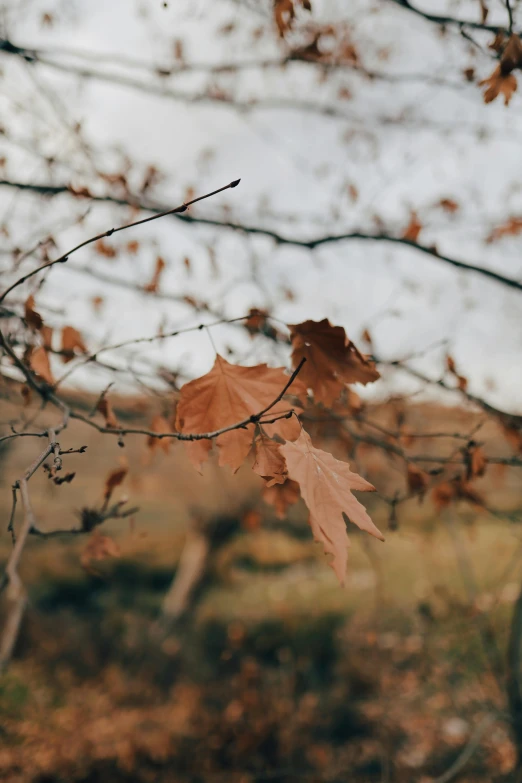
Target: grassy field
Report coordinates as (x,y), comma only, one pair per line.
(279,674)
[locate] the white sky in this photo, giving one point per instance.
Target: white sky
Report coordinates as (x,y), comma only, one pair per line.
(294,165)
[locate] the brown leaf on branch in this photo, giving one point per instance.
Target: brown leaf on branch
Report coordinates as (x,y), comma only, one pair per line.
(413,228)
(269,462)
(72,343)
(512,55)
(456,489)
(448,205)
(333,361)
(511,228)
(153,286)
(417,481)
(104,249)
(326,484)
(462,382)
(281,496)
(159,424)
(257,322)
(224,396)
(105,408)
(475,459)
(499,83)
(39,363)
(33,319)
(113,480)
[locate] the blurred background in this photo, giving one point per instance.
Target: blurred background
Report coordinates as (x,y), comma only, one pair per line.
(204,637)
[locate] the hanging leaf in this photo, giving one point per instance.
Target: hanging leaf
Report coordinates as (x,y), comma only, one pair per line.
(413,229)
(224,396)
(39,364)
(72,343)
(153,286)
(269,462)
(418,481)
(113,480)
(33,319)
(105,408)
(326,484)
(333,361)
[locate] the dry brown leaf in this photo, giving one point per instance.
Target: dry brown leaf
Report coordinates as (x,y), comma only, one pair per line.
(332,360)
(326,484)
(499,83)
(456,489)
(417,481)
(257,321)
(25,391)
(462,382)
(105,408)
(159,424)
(413,228)
(104,249)
(510,228)
(39,364)
(512,55)
(153,286)
(97,302)
(448,205)
(475,459)
(269,462)
(223,397)
(72,343)
(281,496)
(113,480)
(33,319)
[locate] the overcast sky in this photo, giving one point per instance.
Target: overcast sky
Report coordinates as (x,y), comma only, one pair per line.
(403,145)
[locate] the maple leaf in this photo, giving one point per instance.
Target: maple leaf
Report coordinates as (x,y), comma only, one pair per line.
(417,481)
(281,496)
(462,382)
(72,341)
(39,364)
(448,205)
(223,397)
(33,319)
(104,249)
(326,484)
(153,286)
(269,462)
(105,408)
(512,227)
(413,229)
(499,83)
(113,480)
(475,459)
(333,361)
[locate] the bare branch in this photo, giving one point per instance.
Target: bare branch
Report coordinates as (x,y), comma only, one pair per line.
(63,258)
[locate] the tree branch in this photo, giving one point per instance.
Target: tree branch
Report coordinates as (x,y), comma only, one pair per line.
(61,259)
(279,239)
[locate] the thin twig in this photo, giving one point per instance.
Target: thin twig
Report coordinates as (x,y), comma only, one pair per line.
(63,258)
